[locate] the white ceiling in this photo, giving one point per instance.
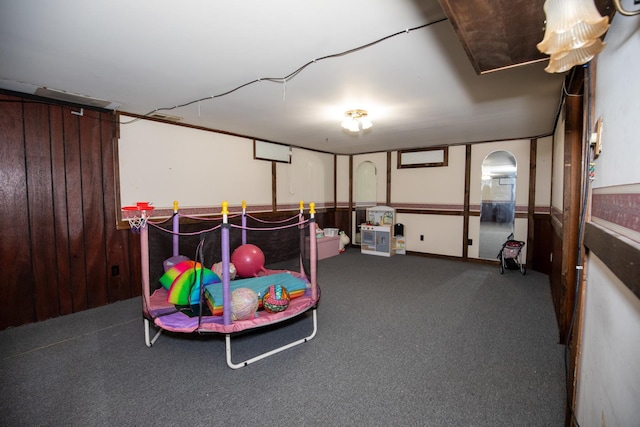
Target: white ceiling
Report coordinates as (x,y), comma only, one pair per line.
(146,55)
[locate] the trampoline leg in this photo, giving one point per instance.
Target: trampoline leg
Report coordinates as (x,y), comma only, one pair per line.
(147,328)
(268,353)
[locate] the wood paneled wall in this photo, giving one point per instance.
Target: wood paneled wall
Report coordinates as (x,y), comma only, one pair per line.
(563,286)
(61,252)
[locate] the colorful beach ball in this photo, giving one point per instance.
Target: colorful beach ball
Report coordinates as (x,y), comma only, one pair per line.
(275,299)
(244,304)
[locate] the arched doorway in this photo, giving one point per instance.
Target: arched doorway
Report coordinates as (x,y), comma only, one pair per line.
(498,204)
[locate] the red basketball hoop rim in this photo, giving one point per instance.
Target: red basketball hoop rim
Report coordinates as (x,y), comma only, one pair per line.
(137,215)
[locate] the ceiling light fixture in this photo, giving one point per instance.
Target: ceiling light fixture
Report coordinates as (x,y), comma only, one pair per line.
(356,121)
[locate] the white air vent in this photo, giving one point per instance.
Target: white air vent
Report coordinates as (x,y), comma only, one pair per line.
(166,117)
(72,98)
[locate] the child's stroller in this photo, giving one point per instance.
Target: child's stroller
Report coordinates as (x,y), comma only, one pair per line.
(510,256)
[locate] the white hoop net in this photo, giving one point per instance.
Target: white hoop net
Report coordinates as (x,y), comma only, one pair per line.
(137,215)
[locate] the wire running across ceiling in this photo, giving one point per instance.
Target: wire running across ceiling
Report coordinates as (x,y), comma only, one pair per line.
(289,76)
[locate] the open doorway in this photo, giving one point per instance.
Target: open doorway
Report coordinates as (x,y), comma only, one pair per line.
(497,207)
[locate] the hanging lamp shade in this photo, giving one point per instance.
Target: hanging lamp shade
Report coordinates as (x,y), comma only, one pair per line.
(571,24)
(572,34)
(563,61)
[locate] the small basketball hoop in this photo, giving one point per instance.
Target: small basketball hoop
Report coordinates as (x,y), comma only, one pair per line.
(137,215)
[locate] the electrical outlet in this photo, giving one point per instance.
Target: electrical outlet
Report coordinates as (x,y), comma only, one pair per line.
(422,237)
(470,242)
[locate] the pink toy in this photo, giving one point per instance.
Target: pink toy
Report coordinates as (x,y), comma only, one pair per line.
(248,260)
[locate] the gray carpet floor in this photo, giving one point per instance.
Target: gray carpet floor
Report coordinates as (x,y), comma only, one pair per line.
(402,341)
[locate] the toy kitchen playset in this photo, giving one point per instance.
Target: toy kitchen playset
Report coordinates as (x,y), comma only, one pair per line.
(377,234)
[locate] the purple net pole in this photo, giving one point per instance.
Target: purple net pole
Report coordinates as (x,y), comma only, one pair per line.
(300,221)
(244,222)
(176,229)
(224,243)
(313,250)
(144,265)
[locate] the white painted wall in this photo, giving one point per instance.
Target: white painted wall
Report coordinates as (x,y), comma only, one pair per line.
(608,388)
(618,102)
(543,172)
(160,163)
(342,180)
(609,369)
(309,177)
(443,185)
(436,185)
(558,164)
(442,233)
